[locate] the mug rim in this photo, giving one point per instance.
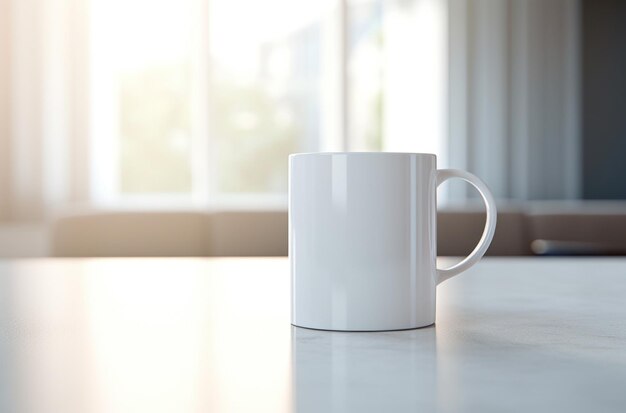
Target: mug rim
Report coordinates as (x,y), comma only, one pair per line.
(293,155)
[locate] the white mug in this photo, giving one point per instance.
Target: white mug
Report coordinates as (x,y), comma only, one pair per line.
(362,239)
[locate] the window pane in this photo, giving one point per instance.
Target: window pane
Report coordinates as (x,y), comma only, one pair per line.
(265,89)
(154,128)
(365,70)
(398,75)
(142,52)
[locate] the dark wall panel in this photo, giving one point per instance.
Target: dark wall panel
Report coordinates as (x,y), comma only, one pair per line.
(604,98)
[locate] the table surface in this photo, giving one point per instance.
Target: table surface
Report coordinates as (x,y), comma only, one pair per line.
(213,335)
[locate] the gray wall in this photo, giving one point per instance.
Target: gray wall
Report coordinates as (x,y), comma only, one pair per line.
(604,99)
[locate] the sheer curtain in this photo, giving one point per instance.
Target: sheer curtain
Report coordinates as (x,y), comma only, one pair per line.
(43,117)
(514,96)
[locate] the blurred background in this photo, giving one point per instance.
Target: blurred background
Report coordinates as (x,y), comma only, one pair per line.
(162,127)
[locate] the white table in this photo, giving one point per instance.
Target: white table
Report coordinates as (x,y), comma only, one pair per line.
(213,335)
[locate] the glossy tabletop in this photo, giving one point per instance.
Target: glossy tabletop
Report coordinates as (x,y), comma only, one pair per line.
(213,335)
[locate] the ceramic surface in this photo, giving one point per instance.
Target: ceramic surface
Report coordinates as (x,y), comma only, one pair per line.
(362,239)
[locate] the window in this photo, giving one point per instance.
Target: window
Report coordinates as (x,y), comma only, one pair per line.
(264,92)
(142,98)
(199,102)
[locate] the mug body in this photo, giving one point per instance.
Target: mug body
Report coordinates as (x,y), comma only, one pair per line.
(362,240)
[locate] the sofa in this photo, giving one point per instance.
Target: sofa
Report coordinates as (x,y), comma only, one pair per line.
(536,228)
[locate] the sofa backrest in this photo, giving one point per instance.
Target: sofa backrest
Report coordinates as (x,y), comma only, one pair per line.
(240,233)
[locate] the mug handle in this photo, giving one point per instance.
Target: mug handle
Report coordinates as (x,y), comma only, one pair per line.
(490,225)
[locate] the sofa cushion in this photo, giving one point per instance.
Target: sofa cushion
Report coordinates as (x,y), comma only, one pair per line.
(458,232)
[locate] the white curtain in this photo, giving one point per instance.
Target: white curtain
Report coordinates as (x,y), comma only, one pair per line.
(514,96)
(43,106)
